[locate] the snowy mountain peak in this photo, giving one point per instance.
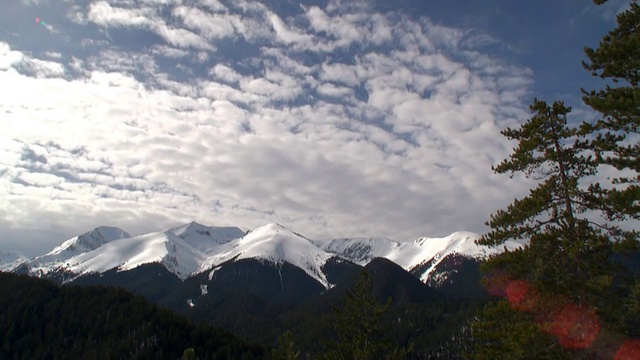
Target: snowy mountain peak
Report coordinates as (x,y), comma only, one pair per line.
(276,244)
(91,240)
(189,229)
(194,248)
(269,228)
(361,250)
(424,253)
(165,248)
(9,260)
(206,238)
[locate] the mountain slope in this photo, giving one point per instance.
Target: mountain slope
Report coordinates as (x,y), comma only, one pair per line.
(206,238)
(361,250)
(182,250)
(434,250)
(193,248)
(89,241)
(40,320)
(162,247)
(276,244)
(422,257)
(185,251)
(10,260)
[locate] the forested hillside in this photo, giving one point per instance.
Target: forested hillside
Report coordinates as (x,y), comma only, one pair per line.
(40,320)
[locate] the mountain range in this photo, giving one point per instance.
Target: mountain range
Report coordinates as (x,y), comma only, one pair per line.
(260,283)
(193,249)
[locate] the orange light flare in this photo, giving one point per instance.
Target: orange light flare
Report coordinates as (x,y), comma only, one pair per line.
(629,350)
(521,295)
(575,327)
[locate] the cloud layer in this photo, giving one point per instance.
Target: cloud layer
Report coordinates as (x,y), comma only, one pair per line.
(334,121)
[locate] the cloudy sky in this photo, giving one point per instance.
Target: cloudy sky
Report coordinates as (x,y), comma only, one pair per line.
(334,118)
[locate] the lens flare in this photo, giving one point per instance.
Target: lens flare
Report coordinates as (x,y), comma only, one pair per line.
(629,350)
(521,295)
(575,327)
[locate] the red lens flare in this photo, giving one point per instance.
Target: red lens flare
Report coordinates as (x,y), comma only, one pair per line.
(521,295)
(575,327)
(629,350)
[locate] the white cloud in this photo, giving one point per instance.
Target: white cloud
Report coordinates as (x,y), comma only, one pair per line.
(334,91)
(287,35)
(225,73)
(102,13)
(340,73)
(8,58)
(181,37)
(213,5)
(209,26)
(168,51)
(395,143)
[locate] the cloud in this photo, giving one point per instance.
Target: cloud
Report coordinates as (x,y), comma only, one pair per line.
(105,15)
(335,122)
(211,26)
(334,91)
(285,34)
(102,13)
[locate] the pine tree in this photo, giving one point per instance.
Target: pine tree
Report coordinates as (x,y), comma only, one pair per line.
(616,141)
(570,281)
(556,282)
(360,329)
(188,354)
(285,349)
(569,249)
(506,333)
(617,135)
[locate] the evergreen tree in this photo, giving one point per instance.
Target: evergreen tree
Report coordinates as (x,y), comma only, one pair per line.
(566,272)
(568,249)
(617,135)
(285,348)
(506,333)
(189,354)
(359,326)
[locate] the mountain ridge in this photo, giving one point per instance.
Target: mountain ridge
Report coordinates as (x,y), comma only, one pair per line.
(192,248)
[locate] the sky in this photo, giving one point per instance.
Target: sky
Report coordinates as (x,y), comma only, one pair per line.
(335,118)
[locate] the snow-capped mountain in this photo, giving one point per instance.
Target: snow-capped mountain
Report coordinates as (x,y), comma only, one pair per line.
(193,249)
(206,239)
(360,250)
(73,247)
(416,254)
(276,244)
(9,260)
(182,250)
(164,247)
